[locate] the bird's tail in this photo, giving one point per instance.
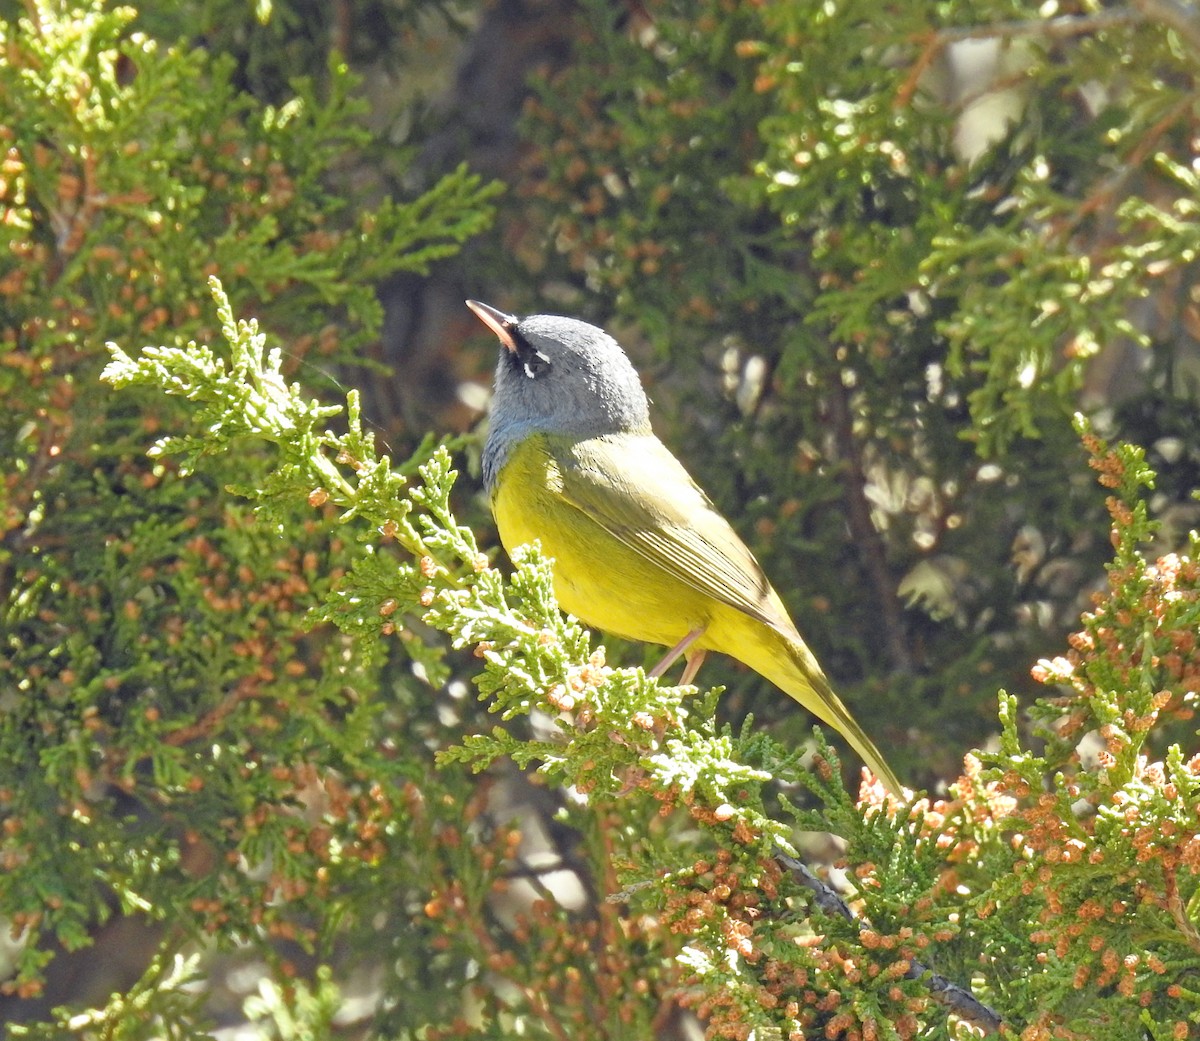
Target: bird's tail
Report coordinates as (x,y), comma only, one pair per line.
(794,670)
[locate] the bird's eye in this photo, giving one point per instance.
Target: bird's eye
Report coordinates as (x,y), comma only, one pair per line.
(535,363)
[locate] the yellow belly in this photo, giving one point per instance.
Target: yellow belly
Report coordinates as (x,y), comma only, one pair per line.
(597,577)
(612,587)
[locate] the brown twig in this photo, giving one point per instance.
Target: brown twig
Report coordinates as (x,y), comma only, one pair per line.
(1182,18)
(1179,912)
(866,538)
(933,47)
(1061,28)
(1108,189)
(957,999)
(210,721)
(998,85)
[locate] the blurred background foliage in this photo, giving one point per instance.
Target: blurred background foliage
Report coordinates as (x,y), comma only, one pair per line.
(787,213)
(869,259)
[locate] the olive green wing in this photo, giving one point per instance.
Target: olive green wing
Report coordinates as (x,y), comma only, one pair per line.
(633,487)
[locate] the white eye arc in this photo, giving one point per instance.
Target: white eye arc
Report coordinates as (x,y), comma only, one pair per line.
(532,370)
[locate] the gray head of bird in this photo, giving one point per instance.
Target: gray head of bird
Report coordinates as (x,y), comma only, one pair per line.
(558,375)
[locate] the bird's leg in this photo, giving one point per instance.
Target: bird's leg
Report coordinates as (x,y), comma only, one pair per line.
(672,656)
(692,667)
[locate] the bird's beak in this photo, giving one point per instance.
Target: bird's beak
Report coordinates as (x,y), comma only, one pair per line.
(500,323)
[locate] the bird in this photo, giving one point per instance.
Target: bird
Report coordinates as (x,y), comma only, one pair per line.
(638,550)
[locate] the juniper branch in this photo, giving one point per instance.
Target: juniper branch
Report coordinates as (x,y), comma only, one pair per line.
(960,1001)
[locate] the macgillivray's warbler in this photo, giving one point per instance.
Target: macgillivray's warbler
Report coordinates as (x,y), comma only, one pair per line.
(639,550)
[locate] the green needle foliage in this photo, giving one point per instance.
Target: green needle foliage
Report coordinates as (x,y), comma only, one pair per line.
(160,694)
(238,635)
(867,336)
(1060,887)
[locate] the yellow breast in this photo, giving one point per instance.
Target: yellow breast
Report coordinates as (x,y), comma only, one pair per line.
(597,577)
